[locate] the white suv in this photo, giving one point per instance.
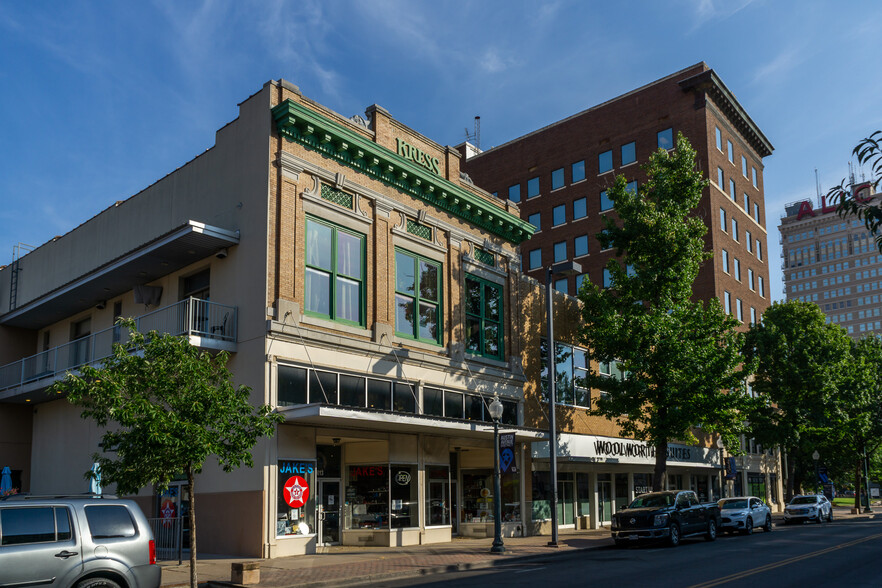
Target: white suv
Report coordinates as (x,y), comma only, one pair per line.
(808,507)
(85,541)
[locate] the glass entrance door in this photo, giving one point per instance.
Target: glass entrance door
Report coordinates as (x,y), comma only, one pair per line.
(604,490)
(329,512)
(565,502)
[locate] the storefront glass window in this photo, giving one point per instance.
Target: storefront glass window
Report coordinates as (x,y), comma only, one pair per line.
(756,485)
(642,484)
(541,505)
(291,386)
(322,387)
(433,402)
(405,497)
(367,496)
(437,496)
(583,494)
(351,390)
(477,497)
(379,394)
(404,398)
(452,405)
(295,513)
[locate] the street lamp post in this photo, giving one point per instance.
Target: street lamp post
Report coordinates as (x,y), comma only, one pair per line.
(495,414)
(816,456)
(565,268)
(723,483)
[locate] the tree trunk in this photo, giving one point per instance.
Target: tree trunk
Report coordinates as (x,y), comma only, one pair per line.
(661,462)
(192,517)
(790,479)
(857,485)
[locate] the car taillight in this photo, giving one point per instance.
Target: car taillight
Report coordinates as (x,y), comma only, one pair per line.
(152,552)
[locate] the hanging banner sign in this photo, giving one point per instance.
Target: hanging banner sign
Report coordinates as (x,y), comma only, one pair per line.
(731,468)
(507,464)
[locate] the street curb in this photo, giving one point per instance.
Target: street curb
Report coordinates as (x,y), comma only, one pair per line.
(430,571)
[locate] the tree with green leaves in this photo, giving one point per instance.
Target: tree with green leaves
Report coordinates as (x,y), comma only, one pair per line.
(682,358)
(868,152)
(800,361)
(166,407)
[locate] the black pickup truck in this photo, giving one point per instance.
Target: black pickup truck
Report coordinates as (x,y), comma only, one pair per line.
(669,515)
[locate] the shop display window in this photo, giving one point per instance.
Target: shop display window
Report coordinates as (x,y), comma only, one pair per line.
(642,484)
(295,512)
(404,496)
(367,497)
(433,402)
(291,386)
(437,496)
(477,497)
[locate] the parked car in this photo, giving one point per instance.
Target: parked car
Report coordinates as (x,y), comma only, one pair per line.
(744,514)
(669,515)
(76,541)
(808,507)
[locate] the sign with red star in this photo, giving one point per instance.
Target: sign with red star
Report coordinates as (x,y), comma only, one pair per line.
(296,492)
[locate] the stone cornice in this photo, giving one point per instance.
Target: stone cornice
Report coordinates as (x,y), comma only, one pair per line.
(312,130)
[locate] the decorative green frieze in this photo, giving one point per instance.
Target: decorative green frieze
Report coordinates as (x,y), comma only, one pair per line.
(422,231)
(337,196)
(314,131)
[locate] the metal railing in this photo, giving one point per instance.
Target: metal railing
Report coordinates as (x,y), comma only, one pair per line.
(168,533)
(190,316)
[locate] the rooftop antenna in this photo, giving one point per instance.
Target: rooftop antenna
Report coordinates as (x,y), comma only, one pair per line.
(475,137)
(817,185)
(851,174)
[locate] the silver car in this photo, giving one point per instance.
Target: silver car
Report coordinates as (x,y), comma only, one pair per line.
(744,514)
(76,541)
(808,507)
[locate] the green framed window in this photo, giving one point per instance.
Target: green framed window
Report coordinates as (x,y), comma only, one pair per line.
(418,309)
(484,312)
(335,260)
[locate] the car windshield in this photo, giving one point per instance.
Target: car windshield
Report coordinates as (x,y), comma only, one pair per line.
(804,500)
(652,501)
(734,503)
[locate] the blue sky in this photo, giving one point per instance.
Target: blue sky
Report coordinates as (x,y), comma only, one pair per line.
(100,99)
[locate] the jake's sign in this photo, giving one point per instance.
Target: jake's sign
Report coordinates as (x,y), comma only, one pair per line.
(418,156)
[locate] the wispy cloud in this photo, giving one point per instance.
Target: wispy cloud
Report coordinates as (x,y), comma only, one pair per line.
(706,11)
(780,65)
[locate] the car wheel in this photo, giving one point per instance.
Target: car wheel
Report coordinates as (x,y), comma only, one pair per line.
(711,530)
(98,583)
(748,526)
(768,526)
(674,535)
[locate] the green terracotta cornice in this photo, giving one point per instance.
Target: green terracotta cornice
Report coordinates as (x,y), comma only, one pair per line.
(312,130)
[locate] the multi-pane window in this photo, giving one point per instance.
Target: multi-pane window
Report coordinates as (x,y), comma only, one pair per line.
(580,246)
(605,162)
(607,278)
(731,151)
(746,203)
(532,187)
(631,186)
(629,153)
(727,302)
(719,138)
(756,214)
(606,202)
(748,240)
(737,266)
(752,315)
(732,189)
(739,313)
(720,179)
(535,259)
(557,178)
(514,193)
(571,369)
(418,311)
(750,281)
(562,285)
(723,220)
(535,219)
(559,215)
(666,139)
(725,257)
(754,177)
(744,166)
(735,229)
(761,289)
(578,171)
(579,279)
(759,250)
(580,208)
(560,251)
(484,327)
(334,272)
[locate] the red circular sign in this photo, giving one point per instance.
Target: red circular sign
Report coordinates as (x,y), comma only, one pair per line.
(296,491)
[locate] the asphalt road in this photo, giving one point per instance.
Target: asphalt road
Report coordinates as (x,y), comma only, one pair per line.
(842,553)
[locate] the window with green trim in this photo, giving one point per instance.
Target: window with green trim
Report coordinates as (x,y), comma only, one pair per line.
(484,330)
(335,259)
(418,310)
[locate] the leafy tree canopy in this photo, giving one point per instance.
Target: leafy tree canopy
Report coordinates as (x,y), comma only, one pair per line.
(868,152)
(682,358)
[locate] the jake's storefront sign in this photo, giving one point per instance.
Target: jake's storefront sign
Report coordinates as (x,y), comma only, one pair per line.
(592,448)
(418,156)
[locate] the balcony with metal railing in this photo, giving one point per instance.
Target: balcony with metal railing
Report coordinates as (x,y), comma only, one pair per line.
(206,324)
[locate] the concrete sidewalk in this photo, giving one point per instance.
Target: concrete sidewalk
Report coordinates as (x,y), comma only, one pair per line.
(351,566)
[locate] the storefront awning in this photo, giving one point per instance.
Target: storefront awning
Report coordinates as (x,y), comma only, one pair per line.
(375,420)
(615,450)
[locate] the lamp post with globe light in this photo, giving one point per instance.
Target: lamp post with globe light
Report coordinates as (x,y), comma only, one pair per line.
(495,414)
(723,481)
